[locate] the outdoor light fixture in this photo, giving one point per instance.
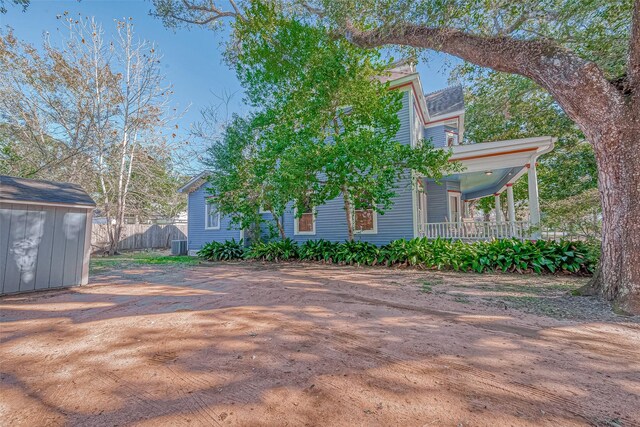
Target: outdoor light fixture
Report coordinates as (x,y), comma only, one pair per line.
(488,173)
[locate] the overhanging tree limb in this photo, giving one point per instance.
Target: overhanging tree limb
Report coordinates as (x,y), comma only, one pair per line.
(559,71)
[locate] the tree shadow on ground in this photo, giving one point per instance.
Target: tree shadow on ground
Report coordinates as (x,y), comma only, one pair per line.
(303,345)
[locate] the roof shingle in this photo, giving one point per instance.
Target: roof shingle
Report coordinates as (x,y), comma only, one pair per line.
(13,189)
(445,101)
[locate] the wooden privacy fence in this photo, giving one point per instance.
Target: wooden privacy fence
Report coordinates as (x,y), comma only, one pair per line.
(139,236)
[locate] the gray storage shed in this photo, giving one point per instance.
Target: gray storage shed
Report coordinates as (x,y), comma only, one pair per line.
(45,234)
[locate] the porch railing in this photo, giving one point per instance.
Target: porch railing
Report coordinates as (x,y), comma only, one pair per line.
(476,230)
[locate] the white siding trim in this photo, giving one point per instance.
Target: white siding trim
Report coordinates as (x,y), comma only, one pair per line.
(414,205)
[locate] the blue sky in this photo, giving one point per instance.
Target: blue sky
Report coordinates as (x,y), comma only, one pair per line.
(192,57)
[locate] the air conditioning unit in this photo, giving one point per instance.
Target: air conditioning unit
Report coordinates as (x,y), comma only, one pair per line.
(178,247)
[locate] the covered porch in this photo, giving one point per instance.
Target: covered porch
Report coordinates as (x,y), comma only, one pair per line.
(489,169)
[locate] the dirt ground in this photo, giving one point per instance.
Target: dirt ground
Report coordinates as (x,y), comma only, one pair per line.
(295,344)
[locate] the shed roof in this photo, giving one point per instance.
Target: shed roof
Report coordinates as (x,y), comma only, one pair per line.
(16,190)
(445,101)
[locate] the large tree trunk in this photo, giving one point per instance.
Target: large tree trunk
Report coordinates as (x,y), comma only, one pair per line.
(618,277)
(608,114)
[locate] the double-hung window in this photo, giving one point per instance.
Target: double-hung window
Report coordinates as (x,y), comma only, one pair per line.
(305,223)
(365,221)
(211,216)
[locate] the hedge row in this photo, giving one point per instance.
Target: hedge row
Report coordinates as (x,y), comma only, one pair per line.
(505,255)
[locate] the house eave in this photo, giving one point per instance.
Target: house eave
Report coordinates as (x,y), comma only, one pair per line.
(509,153)
(413,80)
(194,183)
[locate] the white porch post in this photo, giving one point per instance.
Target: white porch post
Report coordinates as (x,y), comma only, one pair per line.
(512,210)
(465,210)
(534,204)
(498,216)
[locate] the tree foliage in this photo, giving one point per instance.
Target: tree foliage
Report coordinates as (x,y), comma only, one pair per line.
(92,112)
(502,106)
(326,126)
(24,4)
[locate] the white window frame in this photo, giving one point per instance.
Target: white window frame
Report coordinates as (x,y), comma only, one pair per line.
(375,222)
(206,216)
(458,196)
(454,135)
(296,231)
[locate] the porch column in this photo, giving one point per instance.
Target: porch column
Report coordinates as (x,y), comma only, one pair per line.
(465,210)
(498,208)
(534,204)
(512,210)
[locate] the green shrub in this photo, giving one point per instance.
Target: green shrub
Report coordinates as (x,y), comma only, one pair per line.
(216,251)
(358,252)
(497,255)
(279,250)
(318,250)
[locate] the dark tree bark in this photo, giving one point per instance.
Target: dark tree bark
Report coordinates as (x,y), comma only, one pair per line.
(608,114)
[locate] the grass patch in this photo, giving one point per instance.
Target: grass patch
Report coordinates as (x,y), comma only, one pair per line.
(461,299)
(139,258)
(427,287)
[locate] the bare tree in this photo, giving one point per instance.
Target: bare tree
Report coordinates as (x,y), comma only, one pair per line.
(94,112)
(128,114)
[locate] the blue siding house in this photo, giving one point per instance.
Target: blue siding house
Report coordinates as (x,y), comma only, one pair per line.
(421,207)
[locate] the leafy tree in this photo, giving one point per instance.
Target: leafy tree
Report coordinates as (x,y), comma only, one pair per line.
(503,106)
(332,122)
(249,173)
(586,55)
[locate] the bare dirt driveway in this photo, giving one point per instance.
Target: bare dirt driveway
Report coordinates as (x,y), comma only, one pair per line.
(295,344)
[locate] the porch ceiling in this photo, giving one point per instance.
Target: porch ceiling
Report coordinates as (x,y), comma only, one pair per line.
(505,160)
(501,154)
(474,185)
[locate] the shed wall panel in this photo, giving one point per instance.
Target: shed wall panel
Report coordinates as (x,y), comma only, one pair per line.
(45,251)
(33,236)
(17,228)
(41,247)
(56,276)
(5,222)
(73,224)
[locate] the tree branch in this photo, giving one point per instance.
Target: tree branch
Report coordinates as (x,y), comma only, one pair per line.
(215,13)
(562,73)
